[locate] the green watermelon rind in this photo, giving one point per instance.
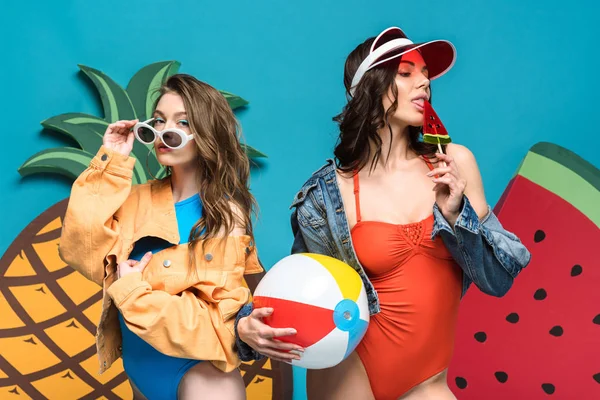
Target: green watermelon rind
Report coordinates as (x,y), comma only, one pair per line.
(565,174)
(435,139)
(570,160)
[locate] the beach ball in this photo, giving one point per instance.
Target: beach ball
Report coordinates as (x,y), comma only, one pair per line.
(321,297)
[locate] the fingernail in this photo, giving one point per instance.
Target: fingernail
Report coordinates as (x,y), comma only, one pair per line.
(269,310)
(293,332)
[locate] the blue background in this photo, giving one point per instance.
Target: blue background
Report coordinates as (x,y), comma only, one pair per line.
(525,73)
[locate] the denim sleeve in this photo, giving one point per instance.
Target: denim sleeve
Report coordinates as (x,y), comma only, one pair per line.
(489,255)
(245,352)
(299,245)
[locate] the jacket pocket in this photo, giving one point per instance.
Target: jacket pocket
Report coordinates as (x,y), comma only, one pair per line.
(310,207)
(301,195)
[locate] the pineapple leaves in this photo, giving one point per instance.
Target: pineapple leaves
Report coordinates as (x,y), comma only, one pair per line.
(86,130)
(143,87)
(115,100)
(137,101)
(67,161)
(252,152)
(233,100)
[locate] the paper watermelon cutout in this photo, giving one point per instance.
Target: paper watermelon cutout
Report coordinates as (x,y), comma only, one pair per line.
(541,340)
(434,131)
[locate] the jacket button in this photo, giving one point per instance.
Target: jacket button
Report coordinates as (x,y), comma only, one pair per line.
(104,157)
(167,263)
(120,348)
(104,364)
(208,257)
(300,195)
(247,250)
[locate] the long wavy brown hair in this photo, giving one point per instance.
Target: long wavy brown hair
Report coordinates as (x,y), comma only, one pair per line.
(223,166)
(364,114)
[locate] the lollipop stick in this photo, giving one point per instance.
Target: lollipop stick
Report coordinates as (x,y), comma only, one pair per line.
(441,151)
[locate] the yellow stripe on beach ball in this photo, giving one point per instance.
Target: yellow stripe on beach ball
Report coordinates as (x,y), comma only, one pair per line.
(348,281)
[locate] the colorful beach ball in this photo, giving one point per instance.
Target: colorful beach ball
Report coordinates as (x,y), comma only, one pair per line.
(322,298)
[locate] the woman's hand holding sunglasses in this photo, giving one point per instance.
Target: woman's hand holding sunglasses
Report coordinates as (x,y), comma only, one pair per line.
(119,136)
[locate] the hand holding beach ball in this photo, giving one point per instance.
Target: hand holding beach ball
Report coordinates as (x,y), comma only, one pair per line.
(321,297)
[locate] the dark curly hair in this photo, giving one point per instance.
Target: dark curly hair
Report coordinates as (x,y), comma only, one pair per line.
(364,114)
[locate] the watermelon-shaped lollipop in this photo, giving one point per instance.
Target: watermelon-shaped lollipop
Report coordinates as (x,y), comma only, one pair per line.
(434,131)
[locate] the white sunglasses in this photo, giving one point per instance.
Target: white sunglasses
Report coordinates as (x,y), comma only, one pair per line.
(173,138)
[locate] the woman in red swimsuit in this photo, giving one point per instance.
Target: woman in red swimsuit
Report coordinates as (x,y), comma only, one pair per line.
(408,346)
(390,182)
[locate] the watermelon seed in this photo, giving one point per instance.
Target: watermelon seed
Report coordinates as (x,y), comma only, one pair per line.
(513,318)
(461,383)
(597,378)
(539,236)
(431,117)
(597,319)
(501,376)
(480,337)
(556,331)
(540,294)
(548,388)
(576,270)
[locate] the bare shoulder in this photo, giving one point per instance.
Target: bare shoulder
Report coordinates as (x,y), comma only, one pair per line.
(345,182)
(344,177)
(462,155)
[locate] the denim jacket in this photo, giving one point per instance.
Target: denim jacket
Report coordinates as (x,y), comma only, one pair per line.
(489,255)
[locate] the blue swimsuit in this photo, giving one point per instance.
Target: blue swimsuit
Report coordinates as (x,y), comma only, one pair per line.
(155,374)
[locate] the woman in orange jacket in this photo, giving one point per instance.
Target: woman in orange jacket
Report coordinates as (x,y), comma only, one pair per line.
(171,254)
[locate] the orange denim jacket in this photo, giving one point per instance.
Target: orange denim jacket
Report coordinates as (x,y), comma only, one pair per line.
(178,313)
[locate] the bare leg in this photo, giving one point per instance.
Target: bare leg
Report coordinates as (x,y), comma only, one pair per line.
(347,380)
(430,393)
(204,381)
(434,388)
